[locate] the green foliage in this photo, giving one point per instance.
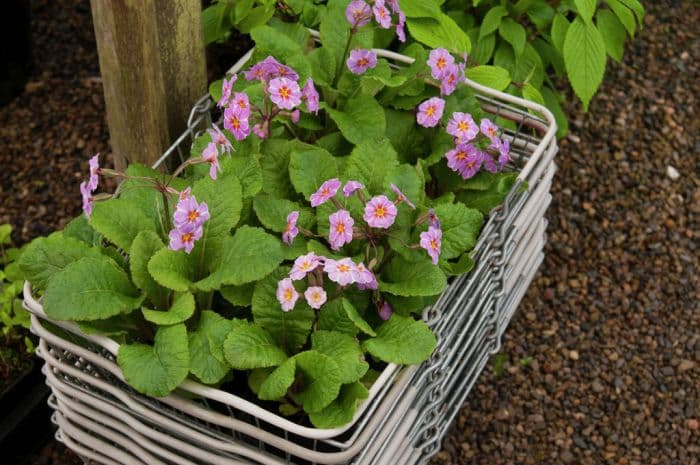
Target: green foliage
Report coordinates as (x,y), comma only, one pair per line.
(14,320)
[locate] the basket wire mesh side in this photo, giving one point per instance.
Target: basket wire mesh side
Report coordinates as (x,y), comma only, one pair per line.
(103,419)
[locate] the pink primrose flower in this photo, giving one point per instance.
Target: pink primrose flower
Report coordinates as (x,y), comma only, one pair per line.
(380,212)
(291,230)
(462,126)
(88,201)
(358,13)
(450,79)
(327,190)
(489,129)
(305,264)
(315,296)
(211,156)
(241,104)
(284,93)
(360,60)
(351,186)
(400,32)
(341,271)
(220,139)
(385,311)
(236,125)
(286,294)
(310,94)
(365,278)
(439,61)
(180,239)
(430,112)
(381,14)
(226,87)
(340,229)
(430,240)
(190,215)
(401,197)
(94,179)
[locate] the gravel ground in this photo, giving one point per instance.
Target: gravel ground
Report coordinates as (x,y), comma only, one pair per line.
(611,321)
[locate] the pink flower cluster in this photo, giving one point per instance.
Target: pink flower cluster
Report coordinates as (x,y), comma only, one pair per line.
(360,60)
(444,68)
(188,222)
(359,13)
(281,86)
(312,267)
(88,187)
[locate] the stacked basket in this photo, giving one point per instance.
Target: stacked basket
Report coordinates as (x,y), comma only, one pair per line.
(409,408)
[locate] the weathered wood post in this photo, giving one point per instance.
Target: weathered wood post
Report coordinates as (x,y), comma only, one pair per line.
(153,70)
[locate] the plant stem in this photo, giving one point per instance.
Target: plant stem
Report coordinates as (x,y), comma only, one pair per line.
(346,52)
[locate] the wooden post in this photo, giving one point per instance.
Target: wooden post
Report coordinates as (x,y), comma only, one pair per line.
(153,70)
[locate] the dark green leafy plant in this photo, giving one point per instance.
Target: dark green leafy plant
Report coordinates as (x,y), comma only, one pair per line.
(14,321)
(294,252)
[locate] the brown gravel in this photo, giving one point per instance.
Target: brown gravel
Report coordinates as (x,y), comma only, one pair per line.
(611,321)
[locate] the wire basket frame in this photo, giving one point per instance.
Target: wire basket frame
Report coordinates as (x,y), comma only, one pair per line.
(100,416)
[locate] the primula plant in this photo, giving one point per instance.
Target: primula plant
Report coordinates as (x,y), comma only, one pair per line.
(292,255)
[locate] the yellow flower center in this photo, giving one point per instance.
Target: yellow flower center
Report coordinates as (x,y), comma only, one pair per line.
(187,238)
(462,125)
(235,122)
(441,63)
(380,212)
(461,155)
(343,268)
(288,294)
(192,215)
(316,296)
(492,132)
(430,111)
(362,62)
(340,228)
(305,266)
(285,92)
(433,244)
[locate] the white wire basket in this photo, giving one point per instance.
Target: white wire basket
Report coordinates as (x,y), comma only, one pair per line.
(409,409)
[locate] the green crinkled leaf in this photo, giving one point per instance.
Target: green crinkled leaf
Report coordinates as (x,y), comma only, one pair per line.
(289,329)
(409,179)
(46,256)
(375,79)
(248,171)
(181,310)
(531,93)
(613,33)
(223,197)
(79,228)
(460,228)
(492,20)
(323,66)
(249,345)
(342,410)
(257,376)
(120,221)
(402,340)
(335,318)
(279,381)
(440,31)
(173,269)
(335,30)
(90,289)
(247,256)
(241,296)
(275,168)
(370,163)
(356,319)
(513,33)
(455,268)
(492,76)
(585,9)
(559,27)
(272,212)
(401,132)
(344,350)
(157,370)
(308,169)
(319,380)
(145,245)
(404,278)
(488,199)
(207,361)
(361,118)
(584,56)
(142,194)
